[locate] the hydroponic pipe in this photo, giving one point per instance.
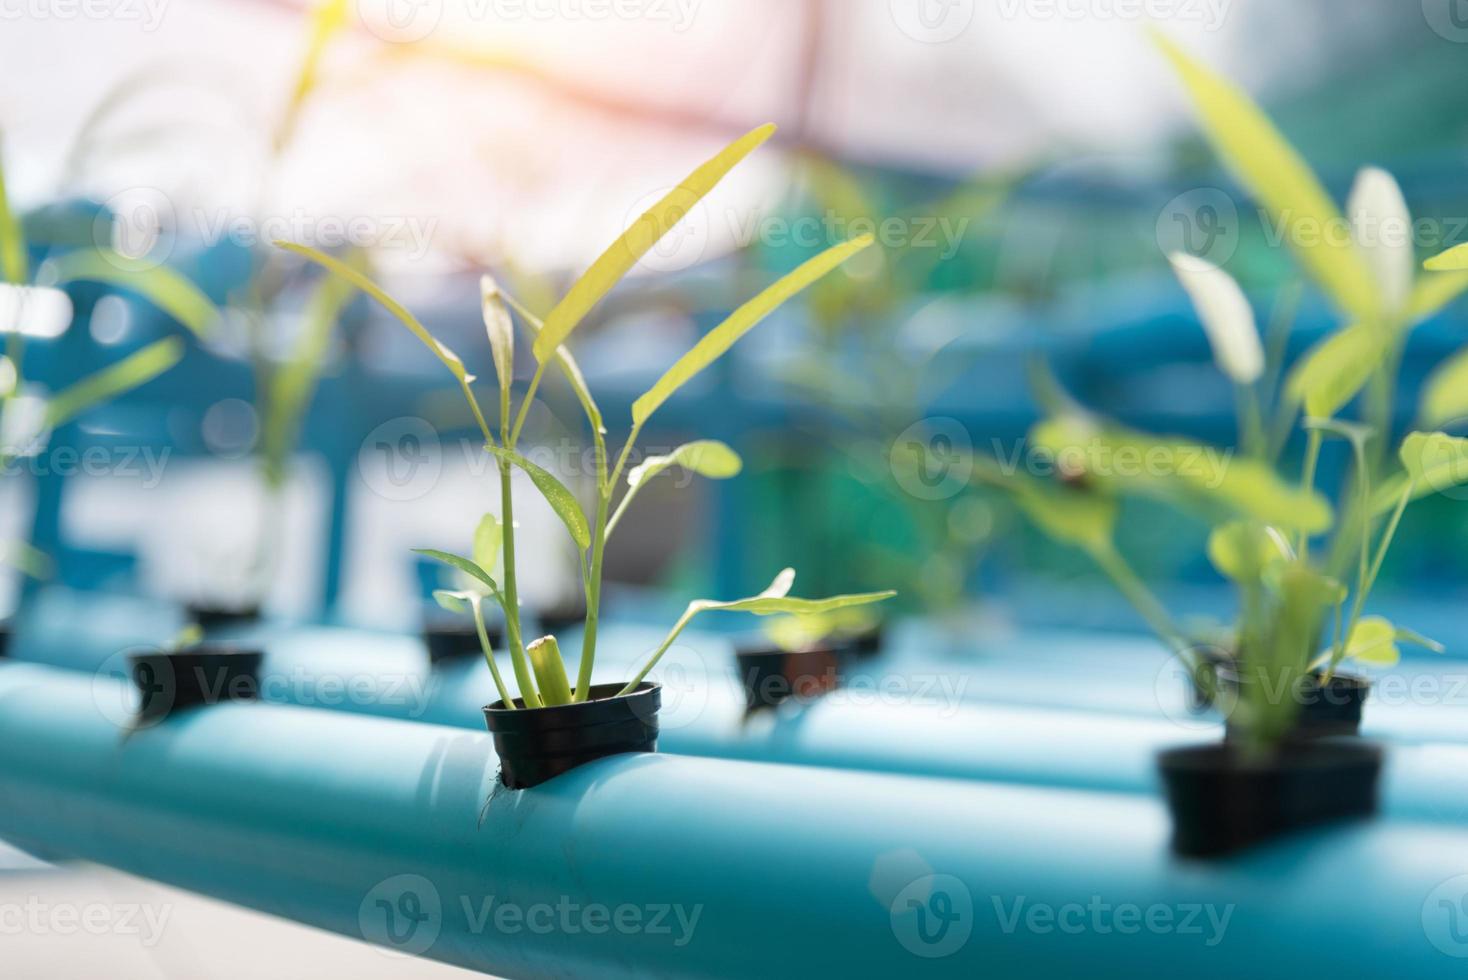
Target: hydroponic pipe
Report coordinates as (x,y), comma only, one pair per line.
(367,826)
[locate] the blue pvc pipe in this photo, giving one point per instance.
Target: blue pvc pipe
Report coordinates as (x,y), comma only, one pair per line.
(335,821)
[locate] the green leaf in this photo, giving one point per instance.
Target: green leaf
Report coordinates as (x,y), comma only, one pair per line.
(550,671)
(1417,639)
(741,321)
(135,369)
(356,278)
(464,565)
(562,500)
(454,602)
(706,457)
(27,559)
(1243,550)
(644,233)
(327,20)
(488,537)
(158,284)
(1454,259)
(14,258)
(1431,293)
(1374,641)
(1434,461)
(1273,172)
(292,385)
(1445,393)
(1185,473)
(1333,371)
(1074,517)
(500,329)
(564,360)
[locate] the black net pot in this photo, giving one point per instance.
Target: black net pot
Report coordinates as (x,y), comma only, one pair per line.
(1222,801)
(212,617)
(173,681)
(1326,710)
(771,675)
(538,744)
(453,637)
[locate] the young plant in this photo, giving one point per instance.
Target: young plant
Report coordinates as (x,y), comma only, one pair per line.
(27,295)
(540,673)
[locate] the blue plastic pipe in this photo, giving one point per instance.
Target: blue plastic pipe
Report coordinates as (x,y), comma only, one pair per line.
(374,828)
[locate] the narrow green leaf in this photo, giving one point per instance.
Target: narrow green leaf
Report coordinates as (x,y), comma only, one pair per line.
(550,671)
(327,20)
(356,278)
(135,369)
(464,565)
(1271,169)
(1454,259)
(562,500)
(706,457)
(292,385)
(14,259)
(1333,371)
(488,537)
(1431,293)
(1417,639)
(644,233)
(158,284)
(741,321)
(1445,393)
(500,329)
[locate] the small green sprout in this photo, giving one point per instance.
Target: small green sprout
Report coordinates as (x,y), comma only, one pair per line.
(539,670)
(1301,611)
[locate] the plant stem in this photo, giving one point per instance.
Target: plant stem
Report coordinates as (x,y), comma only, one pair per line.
(657,654)
(1250,422)
(1307,482)
(512,600)
(593,598)
(1136,592)
(494,670)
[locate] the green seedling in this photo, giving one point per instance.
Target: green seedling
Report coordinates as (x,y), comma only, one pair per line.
(25,418)
(1301,609)
(539,671)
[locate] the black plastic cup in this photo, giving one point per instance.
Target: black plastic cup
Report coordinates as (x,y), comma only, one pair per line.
(213,616)
(537,744)
(865,643)
(1326,711)
(450,638)
(1222,802)
(772,676)
(174,681)
(7,628)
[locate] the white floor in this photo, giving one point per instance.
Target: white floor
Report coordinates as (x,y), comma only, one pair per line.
(85,921)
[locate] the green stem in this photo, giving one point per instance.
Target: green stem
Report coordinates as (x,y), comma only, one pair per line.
(1141,598)
(1307,482)
(593,598)
(1386,538)
(512,600)
(657,654)
(1251,422)
(484,644)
